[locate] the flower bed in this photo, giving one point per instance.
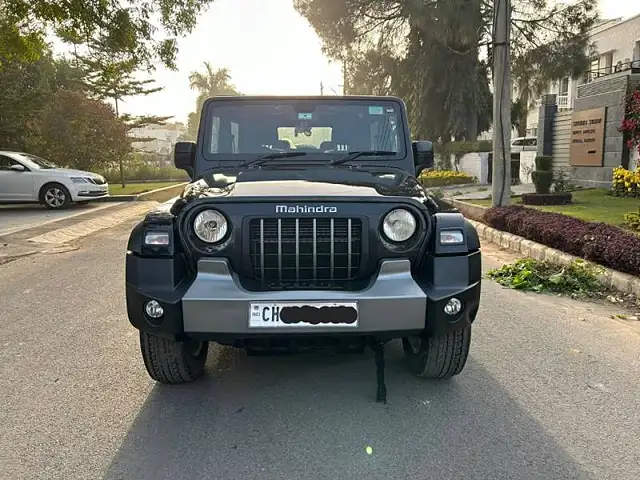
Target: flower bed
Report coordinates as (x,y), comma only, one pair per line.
(442,178)
(625,183)
(600,243)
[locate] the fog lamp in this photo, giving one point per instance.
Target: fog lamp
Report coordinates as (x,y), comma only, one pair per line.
(153,309)
(453,307)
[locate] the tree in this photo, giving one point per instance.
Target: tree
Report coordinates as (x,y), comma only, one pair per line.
(25,89)
(19,39)
(109,75)
(81,132)
(208,84)
(146,31)
(436,45)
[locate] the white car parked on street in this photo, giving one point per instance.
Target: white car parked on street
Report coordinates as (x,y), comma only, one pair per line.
(27,178)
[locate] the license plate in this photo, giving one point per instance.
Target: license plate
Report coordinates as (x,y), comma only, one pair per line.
(303,315)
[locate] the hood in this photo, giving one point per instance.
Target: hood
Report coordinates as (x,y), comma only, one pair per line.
(69,172)
(312,184)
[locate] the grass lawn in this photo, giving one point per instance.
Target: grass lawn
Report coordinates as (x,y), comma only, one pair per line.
(136,188)
(592,205)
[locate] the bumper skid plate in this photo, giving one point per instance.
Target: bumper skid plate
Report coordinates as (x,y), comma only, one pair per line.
(217,303)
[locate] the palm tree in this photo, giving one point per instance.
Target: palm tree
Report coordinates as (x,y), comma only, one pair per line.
(211,83)
(208,84)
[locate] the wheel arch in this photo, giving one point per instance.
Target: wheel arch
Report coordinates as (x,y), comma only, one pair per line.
(48,184)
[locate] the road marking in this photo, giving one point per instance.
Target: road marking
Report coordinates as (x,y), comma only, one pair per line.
(37,223)
(82,229)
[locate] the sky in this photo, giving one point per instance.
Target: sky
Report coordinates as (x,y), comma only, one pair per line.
(269,49)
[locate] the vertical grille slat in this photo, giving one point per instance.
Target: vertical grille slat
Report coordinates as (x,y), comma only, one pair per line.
(280,247)
(297,250)
(305,252)
(315,251)
(349,247)
(261,248)
(332,254)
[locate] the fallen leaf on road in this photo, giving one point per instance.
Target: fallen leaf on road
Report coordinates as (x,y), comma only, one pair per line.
(598,386)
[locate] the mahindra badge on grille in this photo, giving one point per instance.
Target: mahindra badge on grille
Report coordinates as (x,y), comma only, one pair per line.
(306,209)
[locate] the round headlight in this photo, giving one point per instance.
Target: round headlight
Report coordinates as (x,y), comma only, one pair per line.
(399,225)
(210,226)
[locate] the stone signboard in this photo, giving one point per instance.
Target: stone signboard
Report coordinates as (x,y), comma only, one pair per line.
(587,138)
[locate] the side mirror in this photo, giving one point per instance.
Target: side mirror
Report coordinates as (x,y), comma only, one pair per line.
(184,157)
(423,155)
(16,167)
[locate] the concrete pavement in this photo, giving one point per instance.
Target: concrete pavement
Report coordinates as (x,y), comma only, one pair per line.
(549,392)
(14,218)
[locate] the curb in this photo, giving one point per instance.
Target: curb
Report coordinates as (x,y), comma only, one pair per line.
(171,191)
(469,210)
(454,186)
(146,196)
(623,282)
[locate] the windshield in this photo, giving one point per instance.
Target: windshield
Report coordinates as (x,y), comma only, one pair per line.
(36,162)
(322,128)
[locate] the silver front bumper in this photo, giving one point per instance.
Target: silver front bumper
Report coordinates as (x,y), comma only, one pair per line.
(217,303)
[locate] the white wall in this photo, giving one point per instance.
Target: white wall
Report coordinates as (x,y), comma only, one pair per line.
(527,164)
(620,38)
(477,165)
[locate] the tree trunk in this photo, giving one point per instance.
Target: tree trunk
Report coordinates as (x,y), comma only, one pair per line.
(120,161)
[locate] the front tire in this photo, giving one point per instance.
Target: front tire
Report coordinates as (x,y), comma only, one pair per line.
(173,362)
(438,357)
(55,196)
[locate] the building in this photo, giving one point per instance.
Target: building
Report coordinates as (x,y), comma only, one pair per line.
(617,43)
(162,138)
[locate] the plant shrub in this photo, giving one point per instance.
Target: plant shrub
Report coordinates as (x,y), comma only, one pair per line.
(542,176)
(542,180)
(544,163)
(137,172)
(598,242)
(440,178)
(632,220)
(630,124)
(625,183)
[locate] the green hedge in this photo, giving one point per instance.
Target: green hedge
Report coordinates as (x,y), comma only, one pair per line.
(143,172)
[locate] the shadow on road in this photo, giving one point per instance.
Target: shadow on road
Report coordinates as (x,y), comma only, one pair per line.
(311,417)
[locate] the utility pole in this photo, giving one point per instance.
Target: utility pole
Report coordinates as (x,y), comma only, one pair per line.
(321,89)
(501,177)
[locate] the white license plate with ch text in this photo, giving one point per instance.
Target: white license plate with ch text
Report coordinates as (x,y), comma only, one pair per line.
(303,314)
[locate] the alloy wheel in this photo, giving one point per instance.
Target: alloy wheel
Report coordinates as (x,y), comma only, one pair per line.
(55,197)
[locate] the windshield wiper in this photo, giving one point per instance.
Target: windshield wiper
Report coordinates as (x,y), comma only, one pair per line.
(364,153)
(260,160)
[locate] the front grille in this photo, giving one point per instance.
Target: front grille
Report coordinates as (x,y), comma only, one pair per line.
(295,252)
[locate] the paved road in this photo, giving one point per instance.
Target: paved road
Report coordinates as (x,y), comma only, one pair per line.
(14,218)
(550,392)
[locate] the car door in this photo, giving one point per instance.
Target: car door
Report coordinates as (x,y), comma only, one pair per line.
(15,186)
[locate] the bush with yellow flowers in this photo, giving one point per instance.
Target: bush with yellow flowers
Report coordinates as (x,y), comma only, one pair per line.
(626,183)
(632,220)
(441,178)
